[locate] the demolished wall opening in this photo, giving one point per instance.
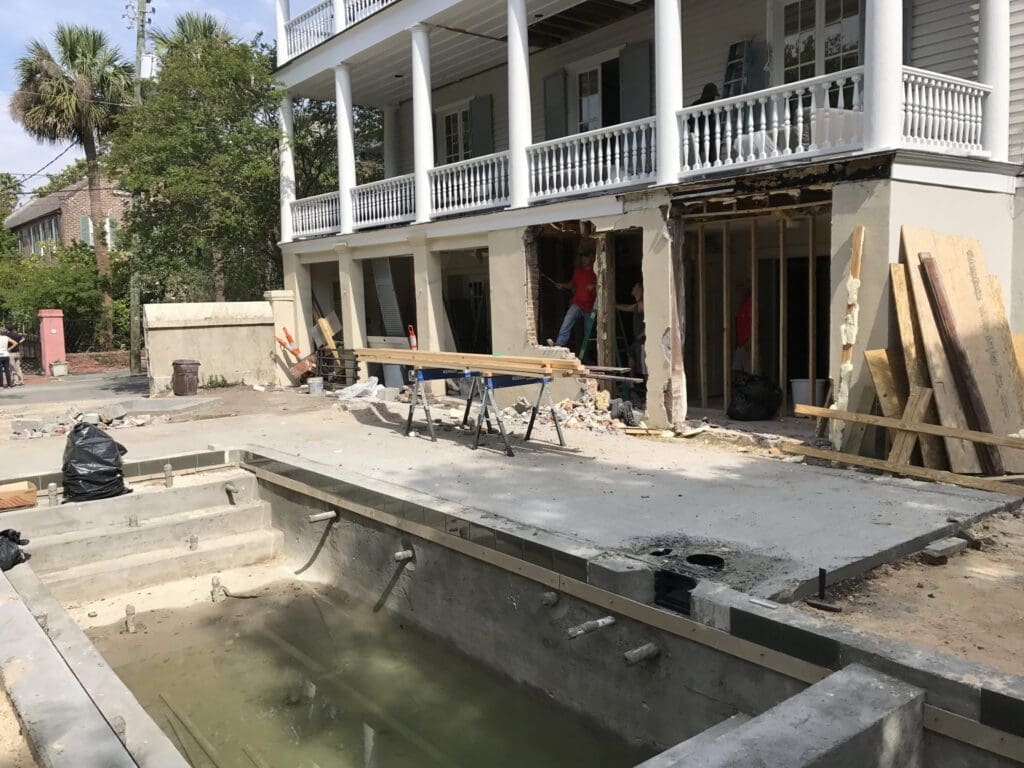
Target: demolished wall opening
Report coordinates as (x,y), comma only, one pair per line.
(467,299)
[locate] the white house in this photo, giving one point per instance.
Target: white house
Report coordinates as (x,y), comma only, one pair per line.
(521,132)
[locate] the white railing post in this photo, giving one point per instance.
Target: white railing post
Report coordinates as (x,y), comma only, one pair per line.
(340,22)
(422,120)
(668,57)
(994,71)
(282,17)
(346,143)
(520,121)
(883,79)
(287,162)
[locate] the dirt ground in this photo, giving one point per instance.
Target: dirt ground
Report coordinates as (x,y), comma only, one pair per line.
(14,751)
(972,607)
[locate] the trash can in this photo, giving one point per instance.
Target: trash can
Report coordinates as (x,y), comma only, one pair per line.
(186,377)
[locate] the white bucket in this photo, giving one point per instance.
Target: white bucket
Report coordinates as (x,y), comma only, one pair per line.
(801,391)
(316,385)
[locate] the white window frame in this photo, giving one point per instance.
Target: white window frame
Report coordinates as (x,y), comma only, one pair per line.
(776,23)
(440,113)
(577,68)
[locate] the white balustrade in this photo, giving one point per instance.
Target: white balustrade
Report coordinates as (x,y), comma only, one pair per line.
(357,10)
(391,201)
(942,112)
(617,156)
(320,215)
(818,115)
(309,29)
(470,185)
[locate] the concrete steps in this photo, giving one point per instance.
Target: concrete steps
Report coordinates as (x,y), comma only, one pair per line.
(81,547)
(144,569)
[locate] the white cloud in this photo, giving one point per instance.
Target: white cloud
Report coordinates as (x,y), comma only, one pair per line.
(21,154)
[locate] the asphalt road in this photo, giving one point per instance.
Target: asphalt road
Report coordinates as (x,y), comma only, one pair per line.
(87,387)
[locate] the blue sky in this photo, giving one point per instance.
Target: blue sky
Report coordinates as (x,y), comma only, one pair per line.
(25,20)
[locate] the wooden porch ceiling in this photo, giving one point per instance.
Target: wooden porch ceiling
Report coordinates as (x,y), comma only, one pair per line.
(581,19)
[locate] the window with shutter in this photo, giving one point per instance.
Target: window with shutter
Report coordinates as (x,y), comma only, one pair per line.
(85,227)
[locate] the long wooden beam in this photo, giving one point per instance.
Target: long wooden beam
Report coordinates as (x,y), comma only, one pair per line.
(559,363)
(918,473)
(921,428)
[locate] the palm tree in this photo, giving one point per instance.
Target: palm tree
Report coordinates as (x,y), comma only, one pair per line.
(192,30)
(74,93)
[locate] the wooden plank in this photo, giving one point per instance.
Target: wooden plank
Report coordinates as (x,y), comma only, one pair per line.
(984,331)
(919,427)
(783,325)
(702,317)
(1018,349)
(918,473)
(812,366)
(564,364)
(728,343)
(903,445)
(961,454)
(325,329)
(753,298)
(892,390)
(971,399)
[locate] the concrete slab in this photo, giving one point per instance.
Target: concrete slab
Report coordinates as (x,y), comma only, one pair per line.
(774,523)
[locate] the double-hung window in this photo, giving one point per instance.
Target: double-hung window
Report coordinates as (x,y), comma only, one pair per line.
(819,37)
(455,134)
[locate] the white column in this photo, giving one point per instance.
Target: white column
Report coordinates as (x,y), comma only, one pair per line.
(994,70)
(520,120)
(883,75)
(284,15)
(392,146)
(287,160)
(668,64)
(339,15)
(346,144)
(422,119)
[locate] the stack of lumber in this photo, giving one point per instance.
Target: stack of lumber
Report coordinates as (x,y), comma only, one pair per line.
(483,364)
(951,393)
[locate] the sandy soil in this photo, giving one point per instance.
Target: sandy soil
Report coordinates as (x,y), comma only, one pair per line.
(14,751)
(972,607)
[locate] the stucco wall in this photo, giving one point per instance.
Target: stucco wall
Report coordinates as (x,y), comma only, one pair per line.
(233,341)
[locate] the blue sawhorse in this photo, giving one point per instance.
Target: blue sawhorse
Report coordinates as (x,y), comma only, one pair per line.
(421,375)
(486,385)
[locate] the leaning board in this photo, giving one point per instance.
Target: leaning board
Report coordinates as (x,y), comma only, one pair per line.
(983,329)
(963,458)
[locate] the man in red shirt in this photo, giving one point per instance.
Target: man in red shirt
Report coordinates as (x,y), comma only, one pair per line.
(744,330)
(584,290)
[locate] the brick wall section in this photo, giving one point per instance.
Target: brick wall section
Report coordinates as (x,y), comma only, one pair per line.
(76,205)
(532,282)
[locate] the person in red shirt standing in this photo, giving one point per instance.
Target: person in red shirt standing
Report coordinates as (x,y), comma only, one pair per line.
(744,330)
(584,291)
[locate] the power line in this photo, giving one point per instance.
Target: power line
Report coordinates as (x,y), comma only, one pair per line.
(67,149)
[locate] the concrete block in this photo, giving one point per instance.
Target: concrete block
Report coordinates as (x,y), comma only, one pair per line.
(90,418)
(855,718)
(939,552)
(27,425)
(675,755)
(623,575)
(111,413)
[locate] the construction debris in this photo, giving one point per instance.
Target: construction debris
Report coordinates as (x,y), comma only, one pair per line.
(939,552)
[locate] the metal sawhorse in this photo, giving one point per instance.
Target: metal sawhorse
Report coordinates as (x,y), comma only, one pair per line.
(485,385)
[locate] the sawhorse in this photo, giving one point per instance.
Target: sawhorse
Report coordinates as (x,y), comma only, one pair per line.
(486,385)
(421,375)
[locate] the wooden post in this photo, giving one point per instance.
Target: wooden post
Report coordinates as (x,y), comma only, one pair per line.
(753,297)
(812,378)
(135,320)
(702,318)
(726,319)
(783,383)
(604,327)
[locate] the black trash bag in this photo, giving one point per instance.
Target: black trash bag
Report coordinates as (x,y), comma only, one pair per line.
(12,535)
(92,465)
(623,411)
(10,554)
(754,398)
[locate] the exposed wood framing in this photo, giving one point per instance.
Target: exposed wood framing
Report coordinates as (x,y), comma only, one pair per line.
(812,295)
(727,341)
(783,382)
(702,315)
(753,297)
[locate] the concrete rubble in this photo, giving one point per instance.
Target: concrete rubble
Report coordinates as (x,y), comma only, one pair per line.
(109,417)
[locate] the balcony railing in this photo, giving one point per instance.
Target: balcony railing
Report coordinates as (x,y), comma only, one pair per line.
(618,156)
(320,215)
(391,201)
(470,185)
(942,112)
(309,29)
(818,115)
(357,10)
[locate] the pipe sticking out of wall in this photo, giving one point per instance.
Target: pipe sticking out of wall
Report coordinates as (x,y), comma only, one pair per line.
(590,626)
(322,517)
(168,475)
(404,556)
(643,653)
(51,491)
(549,599)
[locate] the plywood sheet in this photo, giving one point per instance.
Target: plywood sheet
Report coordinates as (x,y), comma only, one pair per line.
(984,331)
(962,456)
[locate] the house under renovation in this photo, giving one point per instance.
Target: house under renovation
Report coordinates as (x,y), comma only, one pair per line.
(720,152)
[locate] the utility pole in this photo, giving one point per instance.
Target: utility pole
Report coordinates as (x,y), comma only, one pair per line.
(138,14)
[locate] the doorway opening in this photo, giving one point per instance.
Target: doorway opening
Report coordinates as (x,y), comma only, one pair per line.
(467,299)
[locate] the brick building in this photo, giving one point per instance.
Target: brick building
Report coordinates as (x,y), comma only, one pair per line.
(62,218)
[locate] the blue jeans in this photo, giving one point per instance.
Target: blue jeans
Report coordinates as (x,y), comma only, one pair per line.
(5,373)
(573,316)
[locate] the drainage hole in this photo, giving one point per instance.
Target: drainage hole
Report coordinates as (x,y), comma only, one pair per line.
(663,552)
(705,560)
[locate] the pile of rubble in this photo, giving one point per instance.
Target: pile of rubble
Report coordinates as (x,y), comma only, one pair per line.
(595,412)
(109,417)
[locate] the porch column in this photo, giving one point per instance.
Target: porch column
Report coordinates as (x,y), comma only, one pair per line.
(283,16)
(346,144)
(339,16)
(353,301)
(994,70)
(392,147)
(668,58)
(422,119)
(883,75)
(520,120)
(287,161)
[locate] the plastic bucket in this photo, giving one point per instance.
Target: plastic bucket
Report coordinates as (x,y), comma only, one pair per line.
(801,391)
(316,385)
(185,381)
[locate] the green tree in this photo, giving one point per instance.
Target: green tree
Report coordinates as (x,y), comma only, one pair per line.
(10,189)
(316,146)
(63,179)
(74,93)
(200,156)
(192,31)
